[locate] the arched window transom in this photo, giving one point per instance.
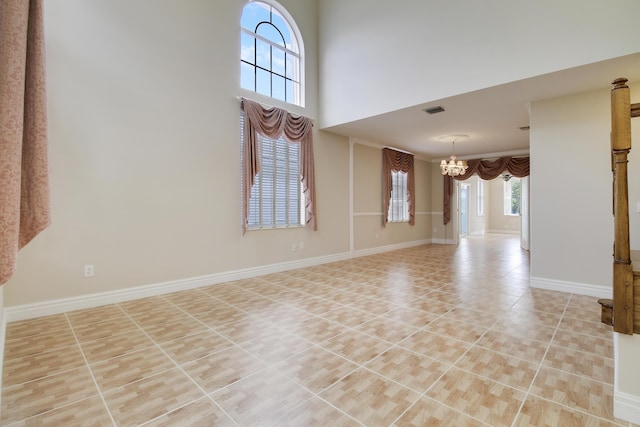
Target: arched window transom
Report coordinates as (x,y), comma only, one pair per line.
(270,58)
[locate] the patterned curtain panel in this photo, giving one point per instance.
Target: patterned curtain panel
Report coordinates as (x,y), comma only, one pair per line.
(275,122)
(24,164)
(486,169)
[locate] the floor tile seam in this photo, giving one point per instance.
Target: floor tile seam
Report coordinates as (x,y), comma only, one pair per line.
(360,365)
(519,335)
(449,368)
(367,368)
(586,335)
(111,359)
(589,334)
(93,378)
(55,350)
(484,377)
(579,410)
(206,397)
(49,332)
(48,411)
(48,375)
(175,363)
(574,350)
(208,327)
(116,305)
(573,374)
(315,396)
(266,361)
(425,396)
(540,365)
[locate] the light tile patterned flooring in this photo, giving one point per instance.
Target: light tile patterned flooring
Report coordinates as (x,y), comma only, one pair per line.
(432,335)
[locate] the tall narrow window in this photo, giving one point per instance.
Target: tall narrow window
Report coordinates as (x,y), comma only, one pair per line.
(399,203)
(277,181)
(398,186)
(512,196)
(270,52)
(276,196)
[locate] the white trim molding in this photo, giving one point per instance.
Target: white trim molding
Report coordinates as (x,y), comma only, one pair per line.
(505,231)
(388,248)
(572,287)
(46,308)
(626,406)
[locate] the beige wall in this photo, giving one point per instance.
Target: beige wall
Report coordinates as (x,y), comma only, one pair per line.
(498,221)
(488,44)
(571,220)
(369,231)
(144,135)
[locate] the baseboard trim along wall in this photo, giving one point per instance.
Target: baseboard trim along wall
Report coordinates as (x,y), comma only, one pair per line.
(572,287)
(47,308)
(626,407)
(505,231)
(388,248)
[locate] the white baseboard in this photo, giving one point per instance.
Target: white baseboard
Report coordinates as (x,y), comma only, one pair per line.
(572,287)
(46,308)
(443,241)
(505,231)
(626,407)
(388,248)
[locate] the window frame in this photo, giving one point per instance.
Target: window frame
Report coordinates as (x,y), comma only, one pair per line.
(508,197)
(480,198)
(297,43)
(399,198)
(257,206)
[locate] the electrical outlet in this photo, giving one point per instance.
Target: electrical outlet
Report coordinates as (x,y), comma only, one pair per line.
(88,270)
(294,247)
(301,245)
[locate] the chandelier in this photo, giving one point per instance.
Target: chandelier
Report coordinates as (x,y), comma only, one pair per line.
(453,167)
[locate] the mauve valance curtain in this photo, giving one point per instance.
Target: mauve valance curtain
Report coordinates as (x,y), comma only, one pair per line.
(273,123)
(24,162)
(397,161)
(486,169)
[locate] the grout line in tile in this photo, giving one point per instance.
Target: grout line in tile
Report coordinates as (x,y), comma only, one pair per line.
(177,365)
(93,378)
(540,364)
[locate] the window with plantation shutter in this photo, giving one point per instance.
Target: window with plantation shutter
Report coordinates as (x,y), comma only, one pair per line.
(276,195)
(398,186)
(399,203)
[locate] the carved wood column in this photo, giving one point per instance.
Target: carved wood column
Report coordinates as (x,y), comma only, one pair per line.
(622,268)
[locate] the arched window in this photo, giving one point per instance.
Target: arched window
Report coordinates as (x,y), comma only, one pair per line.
(271,61)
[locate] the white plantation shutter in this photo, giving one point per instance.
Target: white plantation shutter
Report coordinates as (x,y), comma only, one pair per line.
(276,195)
(399,204)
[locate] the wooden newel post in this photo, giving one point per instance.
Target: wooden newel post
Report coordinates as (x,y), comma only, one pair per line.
(620,147)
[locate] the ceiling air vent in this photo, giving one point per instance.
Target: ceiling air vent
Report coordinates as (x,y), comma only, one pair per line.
(434,110)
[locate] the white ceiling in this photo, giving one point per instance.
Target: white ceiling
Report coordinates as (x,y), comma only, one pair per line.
(491,117)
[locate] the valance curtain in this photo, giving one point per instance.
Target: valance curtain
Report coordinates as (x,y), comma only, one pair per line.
(24,161)
(397,161)
(275,122)
(486,169)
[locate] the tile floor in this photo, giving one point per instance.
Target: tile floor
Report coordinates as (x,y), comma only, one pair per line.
(432,335)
